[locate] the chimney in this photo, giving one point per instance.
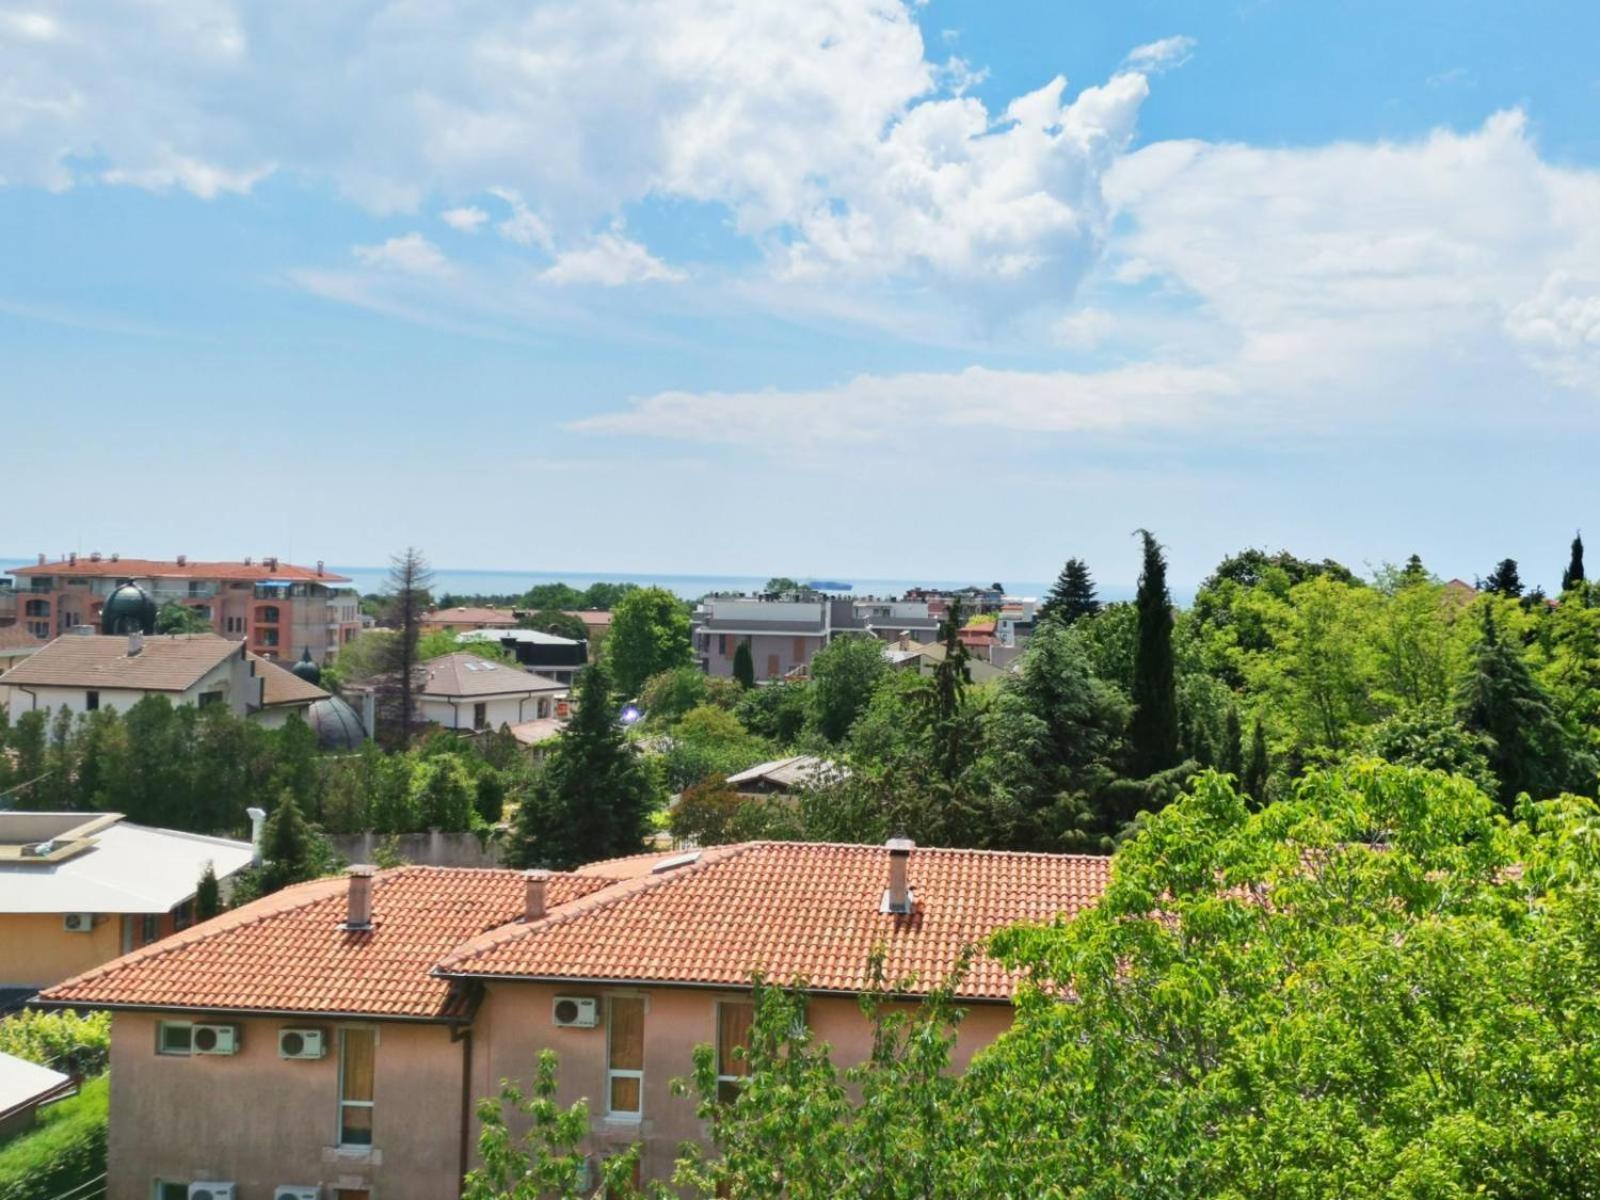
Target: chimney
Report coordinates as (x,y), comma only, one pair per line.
(41,560)
(272,563)
(183,560)
(319,566)
(258,818)
(898,898)
(115,557)
(94,556)
(359,915)
(135,643)
(72,559)
(535,881)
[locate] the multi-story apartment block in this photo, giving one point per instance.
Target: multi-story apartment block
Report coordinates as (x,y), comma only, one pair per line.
(279,610)
(785,632)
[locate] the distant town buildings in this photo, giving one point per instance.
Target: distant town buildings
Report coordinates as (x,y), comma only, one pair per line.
(279,610)
(462,618)
(556,658)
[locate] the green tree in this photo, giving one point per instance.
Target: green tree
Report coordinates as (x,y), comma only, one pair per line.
(1573,576)
(407,598)
(649,634)
(443,792)
(1258,768)
(843,675)
(207,895)
(554,621)
(1232,757)
(1153,733)
(1071,596)
(776,711)
(949,729)
(744,665)
(288,847)
(666,696)
(180,618)
(1504,580)
(780,584)
(553,596)
(593,799)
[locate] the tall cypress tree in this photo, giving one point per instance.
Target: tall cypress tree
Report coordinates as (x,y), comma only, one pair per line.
(207,895)
(1258,769)
(1573,575)
(286,846)
(744,666)
(1071,596)
(951,746)
(1153,732)
(1233,745)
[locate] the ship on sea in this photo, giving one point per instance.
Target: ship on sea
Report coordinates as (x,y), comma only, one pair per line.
(828,585)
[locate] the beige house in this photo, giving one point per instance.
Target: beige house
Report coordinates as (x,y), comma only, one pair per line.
(16,644)
(84,672)
(80,889)
(335,1037)
(462,619)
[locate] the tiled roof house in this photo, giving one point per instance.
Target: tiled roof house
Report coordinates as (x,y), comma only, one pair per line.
(424,987)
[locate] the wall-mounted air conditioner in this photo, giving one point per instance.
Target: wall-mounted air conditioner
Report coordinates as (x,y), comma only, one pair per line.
(576,1012)
(302,1043)
(78,922)
(215,1039)
(213,1191)
(293,1191)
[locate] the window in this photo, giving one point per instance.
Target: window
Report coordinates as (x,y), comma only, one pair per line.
(149,928)
(267,614)
(91,701)
(174,1037)
(772,666)
(543,709)
(37,608)
(625,1056)
(357,1050)
(208,698)
(734,1018)
(480,715)
(166,1189)
(40,629)
(183,915)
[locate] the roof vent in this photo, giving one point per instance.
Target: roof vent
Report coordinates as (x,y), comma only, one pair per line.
(41,560)
(359,913)
(94,556)
(135,643)
(535,882)
(115,557)
(72,559)
(272,563)
(898,898)
(183,560)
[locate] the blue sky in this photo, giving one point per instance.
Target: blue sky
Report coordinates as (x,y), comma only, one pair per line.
(845,287)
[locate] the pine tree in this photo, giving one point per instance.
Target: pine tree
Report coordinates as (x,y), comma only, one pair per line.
(1573,575)
(407,597)
(286,846)
(593,799)
(744,665)
(1504,580)
(207,895)
(1153,733)
(1503,701)
(1413,571)
(1258,769)
(1072,596)
(952,747)
(1233,745)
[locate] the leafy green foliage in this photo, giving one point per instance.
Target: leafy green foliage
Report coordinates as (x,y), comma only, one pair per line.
(72,1042)
(843,675)
(65,1150)
(207,895)
(649,634)
(173,617)
(744,664)
(556,622)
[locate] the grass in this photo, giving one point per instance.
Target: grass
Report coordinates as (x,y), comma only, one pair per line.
(66,1147)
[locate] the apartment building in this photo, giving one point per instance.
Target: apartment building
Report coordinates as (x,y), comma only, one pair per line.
(335,1037)
(279,610)
(784,633)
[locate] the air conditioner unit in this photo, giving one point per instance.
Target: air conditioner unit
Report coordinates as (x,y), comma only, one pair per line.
(215,1039)
(291,1191)
(213,1191)
(78,922)
(302,1043)
(576,1012)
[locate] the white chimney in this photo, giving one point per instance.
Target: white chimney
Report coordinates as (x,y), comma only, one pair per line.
(359,915)
(898,897)
(258,818)
(535,881)
(135,643)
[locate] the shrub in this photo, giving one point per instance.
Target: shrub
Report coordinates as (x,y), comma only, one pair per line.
(77,1043)
(66,1149)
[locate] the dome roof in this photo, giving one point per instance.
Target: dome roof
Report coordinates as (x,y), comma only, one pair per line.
(128,609)
(306,669)
(336,724)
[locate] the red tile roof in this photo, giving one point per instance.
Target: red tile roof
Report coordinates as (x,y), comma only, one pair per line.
(18,637)
(287,953)
(476,618)
(152,568)
(797,913)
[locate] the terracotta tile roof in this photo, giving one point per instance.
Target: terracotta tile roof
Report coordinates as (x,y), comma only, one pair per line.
(280,686)
(594,618)
(476,618)
(168,662)
(17,637)
(454,675)
(287,953)
(152,568)
(795,912)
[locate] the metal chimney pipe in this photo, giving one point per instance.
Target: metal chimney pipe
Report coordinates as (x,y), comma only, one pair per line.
(258,818)
(536,882)
(359,914)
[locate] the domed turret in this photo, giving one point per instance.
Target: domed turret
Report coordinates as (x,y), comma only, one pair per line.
(336,725)
(306,669)
(129,609)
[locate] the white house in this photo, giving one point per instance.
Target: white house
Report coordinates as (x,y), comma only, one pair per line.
(463,691)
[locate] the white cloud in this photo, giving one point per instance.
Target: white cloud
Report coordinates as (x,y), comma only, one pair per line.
(464,220)
(206,180)
(610,260)
(1162,55)
(410,253)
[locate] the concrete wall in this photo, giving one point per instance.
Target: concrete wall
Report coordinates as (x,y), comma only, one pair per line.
(260,1121)
(37,951)
(432,849)
(501,710)
(790,651)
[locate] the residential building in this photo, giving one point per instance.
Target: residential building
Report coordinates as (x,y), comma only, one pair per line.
(278,609)
(26,1087)
(8,602)
(83,672)
(924,658)
(784,633)
(465,692)
(16,644)
(463,619)
(337,1035)
(79,889)
(783,776)
(553,657)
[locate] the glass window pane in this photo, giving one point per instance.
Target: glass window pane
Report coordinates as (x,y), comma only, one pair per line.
(624,1094)
(357,1066)
(627,1033)
(175,1039)
(355,1126)
(733,1030)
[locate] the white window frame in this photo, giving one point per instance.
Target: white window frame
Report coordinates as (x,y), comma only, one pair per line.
(161,1039)
(625,1072)
(338,1125)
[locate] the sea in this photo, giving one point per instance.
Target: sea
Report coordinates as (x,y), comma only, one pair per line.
(477,582)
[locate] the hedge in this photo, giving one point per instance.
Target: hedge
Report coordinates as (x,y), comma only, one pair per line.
(66,1147)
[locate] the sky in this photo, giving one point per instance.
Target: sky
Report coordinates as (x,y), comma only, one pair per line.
(940,289)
